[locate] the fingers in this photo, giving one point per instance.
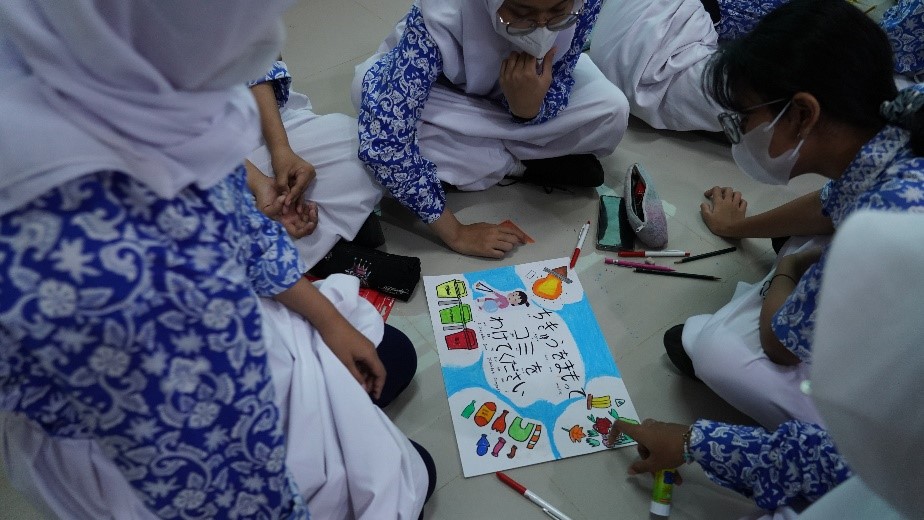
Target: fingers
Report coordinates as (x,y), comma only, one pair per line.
(547,62)
(298,183)
(719,191)
(377,370)
(273,209)
(632,430)
(518,233)
(642,466)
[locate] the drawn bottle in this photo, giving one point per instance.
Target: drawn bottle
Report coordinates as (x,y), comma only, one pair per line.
(500,424)
(481,447)
(469,410)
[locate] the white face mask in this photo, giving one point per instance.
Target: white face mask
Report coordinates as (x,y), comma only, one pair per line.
(752,155)
(536,43)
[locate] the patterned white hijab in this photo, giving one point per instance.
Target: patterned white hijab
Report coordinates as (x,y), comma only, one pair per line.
(869,358)
(152,88)
(471,49)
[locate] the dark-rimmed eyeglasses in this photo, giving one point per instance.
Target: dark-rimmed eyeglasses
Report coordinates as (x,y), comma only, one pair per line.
(732,121)
(524,26)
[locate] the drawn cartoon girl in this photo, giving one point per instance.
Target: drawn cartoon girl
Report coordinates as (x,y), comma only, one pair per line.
(497,300)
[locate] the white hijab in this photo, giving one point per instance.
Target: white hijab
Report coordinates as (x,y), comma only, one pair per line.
(868,369)
(471,49)
(152,88)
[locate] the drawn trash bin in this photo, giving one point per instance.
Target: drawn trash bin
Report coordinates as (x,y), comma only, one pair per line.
(451,289)
(465,339)
(461,314)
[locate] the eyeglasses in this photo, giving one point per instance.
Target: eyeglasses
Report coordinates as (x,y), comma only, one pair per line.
(732,121)
(524,26)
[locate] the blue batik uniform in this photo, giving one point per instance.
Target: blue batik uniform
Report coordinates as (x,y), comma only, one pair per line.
(798,461)
(885,176)
(903,23)
(133,321)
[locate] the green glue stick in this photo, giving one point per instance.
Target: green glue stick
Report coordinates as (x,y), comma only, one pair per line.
(662,491)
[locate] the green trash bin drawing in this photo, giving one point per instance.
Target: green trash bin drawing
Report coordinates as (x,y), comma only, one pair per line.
(461,314)
(451,289)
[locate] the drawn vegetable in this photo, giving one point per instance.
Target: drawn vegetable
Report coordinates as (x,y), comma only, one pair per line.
(576,433)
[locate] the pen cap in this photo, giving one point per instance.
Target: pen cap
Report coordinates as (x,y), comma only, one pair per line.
(657,508)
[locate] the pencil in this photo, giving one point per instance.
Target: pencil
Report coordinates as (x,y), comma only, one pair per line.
(706,255)
(678,274)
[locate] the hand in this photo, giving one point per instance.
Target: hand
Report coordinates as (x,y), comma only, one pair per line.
(725,209)
(797,264)
(478,239)
(660,444)
(523,86)
(293,175)
(300,221)
(358,354)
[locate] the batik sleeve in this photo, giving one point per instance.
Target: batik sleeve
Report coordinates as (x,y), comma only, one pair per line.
(798,460)
(281,80)
(738,17)
(274,264)
(904,25)
(394,92)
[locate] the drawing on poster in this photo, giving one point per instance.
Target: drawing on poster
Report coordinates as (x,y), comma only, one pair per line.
(528,373)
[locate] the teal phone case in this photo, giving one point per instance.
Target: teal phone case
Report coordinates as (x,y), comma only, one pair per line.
(613,230)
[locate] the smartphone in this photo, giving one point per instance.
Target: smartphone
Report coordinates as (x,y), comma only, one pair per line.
(613,230)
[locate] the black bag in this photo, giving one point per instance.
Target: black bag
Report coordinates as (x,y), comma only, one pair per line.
(390,274)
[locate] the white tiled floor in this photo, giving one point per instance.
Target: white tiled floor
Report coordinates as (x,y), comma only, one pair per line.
(326,39)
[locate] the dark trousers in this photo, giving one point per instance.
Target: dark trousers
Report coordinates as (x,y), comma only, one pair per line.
(400,359)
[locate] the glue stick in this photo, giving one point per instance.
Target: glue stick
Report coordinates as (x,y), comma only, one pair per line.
(662,491)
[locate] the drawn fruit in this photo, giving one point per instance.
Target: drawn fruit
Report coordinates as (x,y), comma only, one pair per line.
(603,425)
(576,433)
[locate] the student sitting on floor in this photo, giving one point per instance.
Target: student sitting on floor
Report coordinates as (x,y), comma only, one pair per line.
(655,51)
(866,383)
(810,90)
(468,92)
(141,374)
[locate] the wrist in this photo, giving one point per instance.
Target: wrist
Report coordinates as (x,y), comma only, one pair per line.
(446,227)
(521,115)
(279,150)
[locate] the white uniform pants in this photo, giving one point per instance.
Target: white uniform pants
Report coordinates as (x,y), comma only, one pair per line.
(727,356)
(474,143)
